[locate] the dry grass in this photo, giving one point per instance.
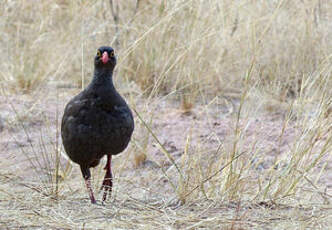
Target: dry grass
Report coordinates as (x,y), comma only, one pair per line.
(233,108)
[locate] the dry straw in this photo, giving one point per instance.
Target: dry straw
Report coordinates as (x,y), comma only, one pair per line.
(232,102)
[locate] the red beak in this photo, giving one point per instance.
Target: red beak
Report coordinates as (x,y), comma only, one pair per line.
(104,58)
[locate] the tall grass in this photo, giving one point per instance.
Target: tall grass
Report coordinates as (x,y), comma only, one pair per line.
(190,46)
(262,58)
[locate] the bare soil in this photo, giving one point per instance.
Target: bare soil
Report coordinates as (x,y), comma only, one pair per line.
(29,128)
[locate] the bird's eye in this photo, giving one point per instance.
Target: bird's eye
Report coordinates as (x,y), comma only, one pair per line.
(98,53)
(112,54)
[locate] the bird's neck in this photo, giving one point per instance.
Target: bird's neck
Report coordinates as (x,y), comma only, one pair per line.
(103,77)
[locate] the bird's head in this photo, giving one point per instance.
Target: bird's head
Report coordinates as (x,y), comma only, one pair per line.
(105,58)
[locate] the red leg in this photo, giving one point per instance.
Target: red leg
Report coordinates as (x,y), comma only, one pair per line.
(108,179)
(88,186)
(86,175)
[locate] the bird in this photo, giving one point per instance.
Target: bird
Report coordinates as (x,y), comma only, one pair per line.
(97,122)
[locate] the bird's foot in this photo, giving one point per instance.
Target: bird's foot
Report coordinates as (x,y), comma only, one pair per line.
(88,185)
(93,200)
(107,185)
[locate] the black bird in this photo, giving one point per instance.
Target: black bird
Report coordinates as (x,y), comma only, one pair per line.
(97,122)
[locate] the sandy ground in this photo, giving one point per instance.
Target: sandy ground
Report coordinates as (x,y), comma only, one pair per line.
(28,129)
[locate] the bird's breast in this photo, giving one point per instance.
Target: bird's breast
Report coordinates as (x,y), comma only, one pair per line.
(101,128)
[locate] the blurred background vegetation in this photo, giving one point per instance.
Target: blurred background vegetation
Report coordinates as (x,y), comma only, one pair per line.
(210,80)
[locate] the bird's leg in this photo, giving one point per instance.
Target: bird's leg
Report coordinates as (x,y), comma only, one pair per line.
(108,180)
(87,178)
(88,185)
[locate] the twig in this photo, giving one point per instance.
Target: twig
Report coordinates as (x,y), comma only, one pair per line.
(115,15)
(235,25)
(133,17)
